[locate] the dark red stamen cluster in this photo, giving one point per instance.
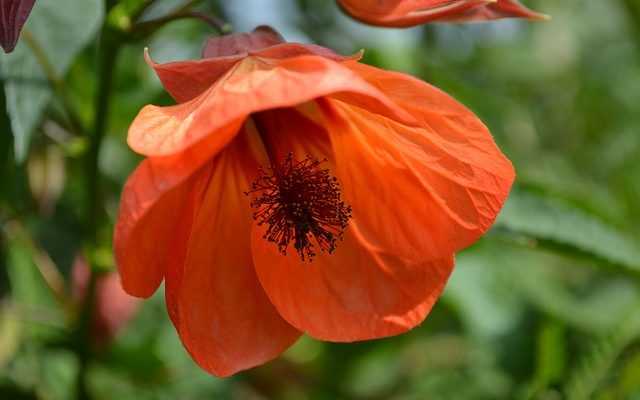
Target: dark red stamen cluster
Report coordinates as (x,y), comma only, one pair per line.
(298,201)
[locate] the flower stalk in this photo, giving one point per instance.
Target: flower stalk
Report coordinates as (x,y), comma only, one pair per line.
(145,28)
(108,49)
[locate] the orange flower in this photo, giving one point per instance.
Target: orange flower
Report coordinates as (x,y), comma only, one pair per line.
(410,177)
(403,13)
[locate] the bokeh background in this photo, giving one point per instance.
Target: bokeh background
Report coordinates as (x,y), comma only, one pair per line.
(545,306)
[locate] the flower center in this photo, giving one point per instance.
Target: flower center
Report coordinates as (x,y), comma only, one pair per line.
(299,201)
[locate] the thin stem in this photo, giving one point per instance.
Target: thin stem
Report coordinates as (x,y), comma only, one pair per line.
(55,81)
(42,315)
(43,262)
(145,28)
(106,64)
(186,5)
(108,48)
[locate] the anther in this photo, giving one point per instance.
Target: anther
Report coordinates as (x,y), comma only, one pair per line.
(300,201)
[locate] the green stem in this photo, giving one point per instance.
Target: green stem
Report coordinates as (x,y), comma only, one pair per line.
(48,270)
(145,28)
(106,63)
(108,48)
(55,81)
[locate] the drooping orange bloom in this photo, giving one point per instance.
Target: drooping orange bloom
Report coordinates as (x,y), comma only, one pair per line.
(295,190)
(404,13)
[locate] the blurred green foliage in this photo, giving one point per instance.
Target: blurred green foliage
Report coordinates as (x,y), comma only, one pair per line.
(546,306)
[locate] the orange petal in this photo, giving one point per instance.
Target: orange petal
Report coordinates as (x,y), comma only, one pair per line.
(289,50)
(253,85)
(289,130)
(175,265)
(453,125)
(404,13)
(185,80)
(154,215)
(146,228)
(420,193)
(359,292)
(494,10)
(226,321)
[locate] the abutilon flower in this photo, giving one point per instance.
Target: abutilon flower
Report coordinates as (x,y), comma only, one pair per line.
(404,13)
(13,15)
(293,190)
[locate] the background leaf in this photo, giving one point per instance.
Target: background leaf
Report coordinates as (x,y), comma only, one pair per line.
(547,219)
(61,28)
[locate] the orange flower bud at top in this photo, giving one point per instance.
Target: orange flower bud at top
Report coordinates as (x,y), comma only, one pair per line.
(404,13)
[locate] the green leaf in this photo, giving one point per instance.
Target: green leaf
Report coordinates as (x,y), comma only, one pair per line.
(61,28)
(630,371)
(481,294)
(599,360)
(10,336)
(59,369)
(376,372)
(31,301)
(551,358)
(494,279)
(554,224)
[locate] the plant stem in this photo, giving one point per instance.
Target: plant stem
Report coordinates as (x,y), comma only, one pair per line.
(142,29)
(55,81)
(108,48)
(43,262)
(185,6)
(108,51)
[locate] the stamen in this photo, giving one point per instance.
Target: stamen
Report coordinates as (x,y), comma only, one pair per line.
(299,201)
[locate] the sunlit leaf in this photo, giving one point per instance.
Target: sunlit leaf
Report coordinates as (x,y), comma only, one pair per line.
(10,336)
(61,28)
(630,371)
